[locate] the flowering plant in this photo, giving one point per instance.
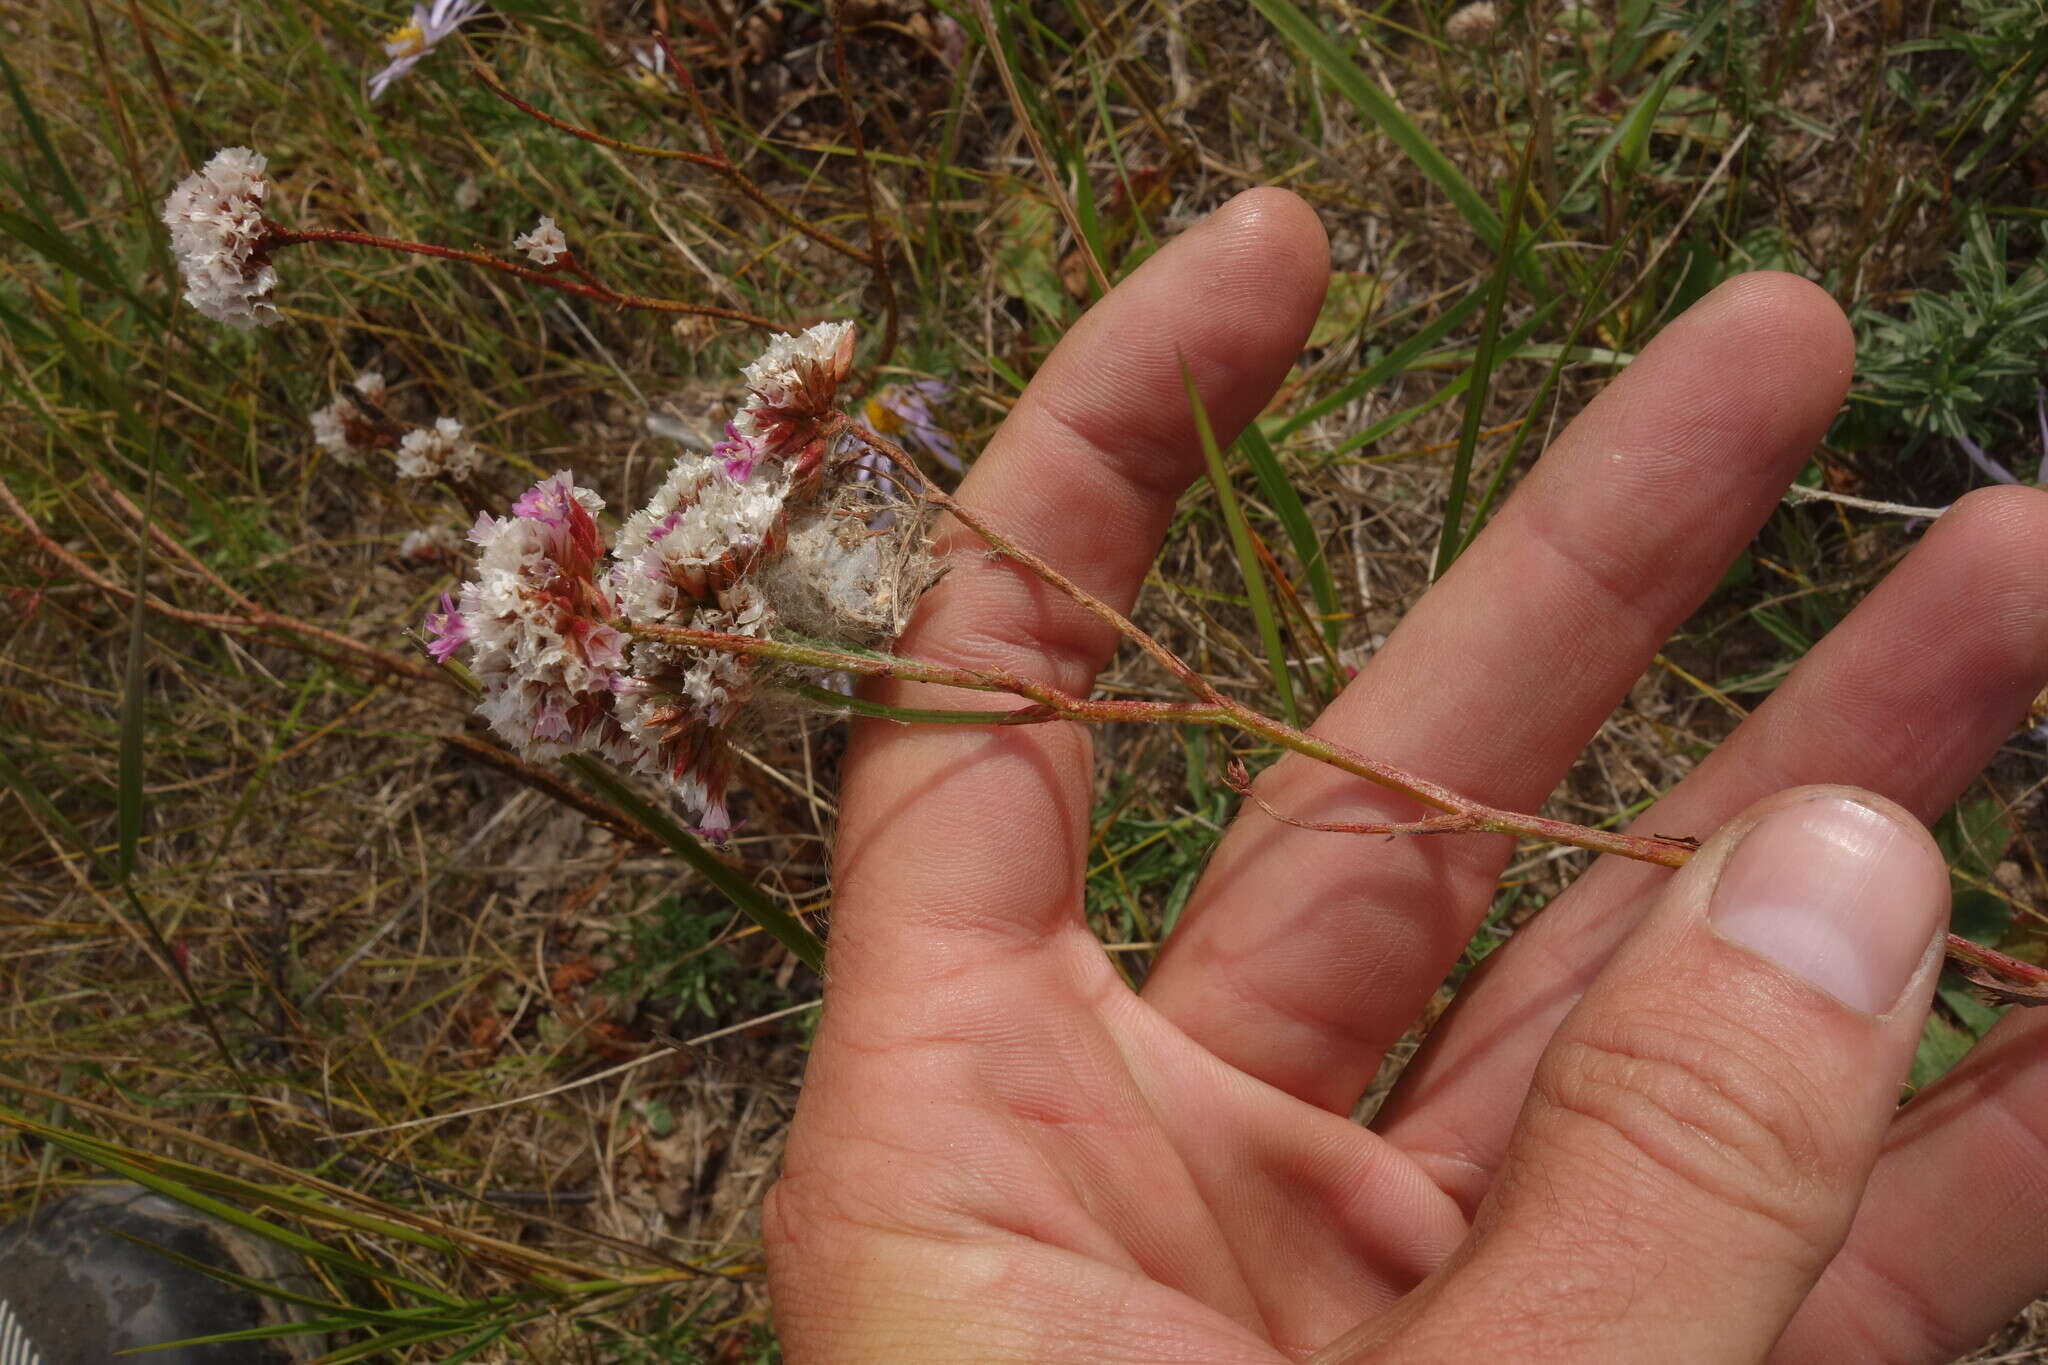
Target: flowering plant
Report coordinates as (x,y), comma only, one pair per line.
(761,572)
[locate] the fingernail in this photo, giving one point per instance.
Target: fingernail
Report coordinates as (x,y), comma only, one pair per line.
(1836,893)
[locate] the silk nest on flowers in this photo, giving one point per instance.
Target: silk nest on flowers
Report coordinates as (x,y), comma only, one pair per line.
(769,536)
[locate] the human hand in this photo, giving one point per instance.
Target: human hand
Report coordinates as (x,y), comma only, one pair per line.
(1633,1137)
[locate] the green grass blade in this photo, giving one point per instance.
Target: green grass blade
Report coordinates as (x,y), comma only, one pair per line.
(1373,102)
(1247,559)
(1393,422)
(1451,539)
(1279,493)
(751,901)
(1565,353)
(1385,368)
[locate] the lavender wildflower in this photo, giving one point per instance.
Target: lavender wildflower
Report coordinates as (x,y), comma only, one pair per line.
(905,411)
(409,42)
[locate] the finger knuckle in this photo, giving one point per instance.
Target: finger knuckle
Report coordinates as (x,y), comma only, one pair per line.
(1713,1116)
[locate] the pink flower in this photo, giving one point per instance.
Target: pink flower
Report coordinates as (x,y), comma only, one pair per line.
(794,388)
(544,245)
(446,630)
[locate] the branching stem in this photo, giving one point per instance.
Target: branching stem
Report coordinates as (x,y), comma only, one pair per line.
(717,163)
(587,287)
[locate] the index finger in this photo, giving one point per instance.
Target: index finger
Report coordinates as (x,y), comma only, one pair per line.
(954,839)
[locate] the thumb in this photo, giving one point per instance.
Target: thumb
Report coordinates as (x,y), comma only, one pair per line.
(1698,1134)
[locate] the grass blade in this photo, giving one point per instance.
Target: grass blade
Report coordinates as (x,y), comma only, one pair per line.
(755,904)
(1451,540)
(1394,421)
(1287,506)
(1373,102)
(1385,368)
(1483,509)
(1247,557)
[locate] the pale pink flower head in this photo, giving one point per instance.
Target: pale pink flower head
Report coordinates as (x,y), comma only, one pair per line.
(698,535)
(222,241)
(343,429)
(683,701)
(544,245)
(793,388)
(542,628)
(438,451)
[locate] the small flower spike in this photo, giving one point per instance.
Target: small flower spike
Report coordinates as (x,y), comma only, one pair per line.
(343,429)
(1472,24)
(794,386)
(544,245)
(441,449)
(221,239)
(409,42)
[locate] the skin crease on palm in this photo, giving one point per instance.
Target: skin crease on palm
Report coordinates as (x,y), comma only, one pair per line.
(1630,1139)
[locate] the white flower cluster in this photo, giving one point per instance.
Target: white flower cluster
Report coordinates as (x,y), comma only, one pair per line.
(343,429)
(544,245)
(1472,24)
(441,449)
(791,387)
(431,545)
(742,548)
(219,237)
(541,625)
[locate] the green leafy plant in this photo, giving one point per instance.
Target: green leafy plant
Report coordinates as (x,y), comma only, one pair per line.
(1956,358)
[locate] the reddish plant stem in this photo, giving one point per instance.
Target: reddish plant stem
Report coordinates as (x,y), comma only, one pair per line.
(878,248)
(254,620)
(2005,978)
(1051,702)
(284,236)
(717,165)
(1477,815)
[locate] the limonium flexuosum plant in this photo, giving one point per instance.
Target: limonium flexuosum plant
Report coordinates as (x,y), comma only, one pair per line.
(759,576)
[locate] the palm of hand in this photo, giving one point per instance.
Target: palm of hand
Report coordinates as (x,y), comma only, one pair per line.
(1002,1153)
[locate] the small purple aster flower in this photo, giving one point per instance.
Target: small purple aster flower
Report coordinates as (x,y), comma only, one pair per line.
(409,42)
(906,410)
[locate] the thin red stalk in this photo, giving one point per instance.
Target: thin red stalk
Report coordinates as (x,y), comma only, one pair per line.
(1055,704)
(1482,817)
(878,250)
(255,620)
(284,236)
(718,165)
(1096,607)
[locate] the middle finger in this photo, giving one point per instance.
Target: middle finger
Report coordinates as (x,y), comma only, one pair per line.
(1303,955)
